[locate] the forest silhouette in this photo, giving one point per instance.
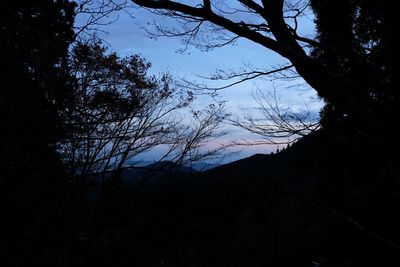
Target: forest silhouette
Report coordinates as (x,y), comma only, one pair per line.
(73,115)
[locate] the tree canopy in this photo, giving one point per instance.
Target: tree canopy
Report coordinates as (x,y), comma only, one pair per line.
(34,79)
(348,63)
(71,110)
(117,111)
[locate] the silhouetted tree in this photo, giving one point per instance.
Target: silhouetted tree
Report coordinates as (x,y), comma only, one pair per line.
(118,111)
(353,42)
(112,107)
(34,80)
(70,108)
(349,63)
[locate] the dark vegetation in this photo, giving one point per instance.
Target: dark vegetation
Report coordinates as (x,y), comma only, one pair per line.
(238,214)
(330,199)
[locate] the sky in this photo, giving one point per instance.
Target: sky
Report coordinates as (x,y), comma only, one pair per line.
(126,36)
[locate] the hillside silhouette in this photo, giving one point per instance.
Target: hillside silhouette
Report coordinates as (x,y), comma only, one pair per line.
(317,202)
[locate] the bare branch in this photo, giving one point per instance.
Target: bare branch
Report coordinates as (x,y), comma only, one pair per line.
(277,125)
(333,86)
(241,76)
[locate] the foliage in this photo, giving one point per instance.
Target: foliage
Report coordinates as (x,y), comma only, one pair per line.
(118,111)
(71,110)
(35,36)
(350,63)
(353,44)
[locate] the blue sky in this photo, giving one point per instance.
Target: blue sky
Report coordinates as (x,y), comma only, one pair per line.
(126,36)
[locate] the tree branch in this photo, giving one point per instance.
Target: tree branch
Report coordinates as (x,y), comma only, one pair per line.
(334,87)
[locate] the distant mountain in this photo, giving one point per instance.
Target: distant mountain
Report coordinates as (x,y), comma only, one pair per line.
(196,166)
(169,166)
(147,176)
(202,166)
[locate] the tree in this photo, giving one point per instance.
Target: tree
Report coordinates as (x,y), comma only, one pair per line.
(35,39)
(71,108)
(118,111)
(349,63)
(34,78)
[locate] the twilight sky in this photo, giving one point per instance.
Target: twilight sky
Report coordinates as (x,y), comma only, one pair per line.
(126,36)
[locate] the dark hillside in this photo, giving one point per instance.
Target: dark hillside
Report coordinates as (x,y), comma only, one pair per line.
(318,201)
